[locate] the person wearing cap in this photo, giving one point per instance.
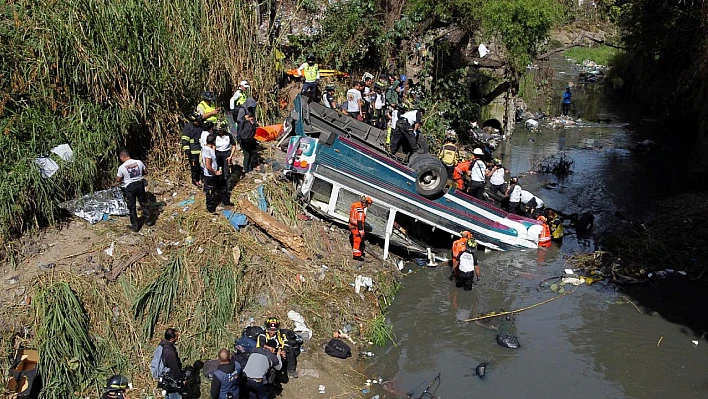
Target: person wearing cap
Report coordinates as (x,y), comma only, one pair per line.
(191,133)
(514,194)
(206,107)
(311,72)
(226,379)
(357,225)
(328,97)
(239,97)
(116,387)
(355,105)
(496,177)
(449,154)
(478,176)
(283,340)
(467,268)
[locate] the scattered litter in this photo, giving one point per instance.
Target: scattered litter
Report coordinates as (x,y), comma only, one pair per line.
(174,194)
(481,369)
(13,280)
(573,280)
(367,354)
(159,251)
(364,391)
(64,152)
(185,209)
(321,388)
(185,202)
(47,167)
(300,327)
(569,272)
(400,264)
(47,265)
(92,207)
(109,250)
(694,342)
(262,202)
(375,397)
(237,220)
(236,253)
(189,240)
(362,281)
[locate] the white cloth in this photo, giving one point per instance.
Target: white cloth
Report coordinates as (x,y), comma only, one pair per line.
(131,171)
(234,98)
(497,177)
(353,98)
(208,152)
(515,195)
(527,196)
(477,170)
(467,261)
(394,118)
(300,327)
(203,137)
(223,143)
(47,167)
(379,102)
(64,152)
(483,50)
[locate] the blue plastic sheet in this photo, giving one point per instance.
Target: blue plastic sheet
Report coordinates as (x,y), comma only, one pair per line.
(262,202)
(237,220)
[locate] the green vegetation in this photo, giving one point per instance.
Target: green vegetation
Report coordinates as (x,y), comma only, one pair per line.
(98,75)
(156,301)
(381,332)
(602,55)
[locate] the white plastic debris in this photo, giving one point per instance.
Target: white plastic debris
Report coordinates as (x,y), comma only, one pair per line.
(695,342)
(569,271)
(300,326)
(64,152)
(321,388)
(572,280)
(400,264)
(362,281)
(47,167)
(109,250)
(483,50)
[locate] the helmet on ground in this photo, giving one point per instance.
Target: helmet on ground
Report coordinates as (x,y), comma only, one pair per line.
(208,95)
(117,383)
(310,57)
(365,199)
(272,323)
(497,161)
(478,151)
(466,234)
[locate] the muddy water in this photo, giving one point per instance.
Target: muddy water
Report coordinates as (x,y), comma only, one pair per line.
(587,344)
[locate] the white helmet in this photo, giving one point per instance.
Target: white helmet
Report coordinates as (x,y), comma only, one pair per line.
(478,151)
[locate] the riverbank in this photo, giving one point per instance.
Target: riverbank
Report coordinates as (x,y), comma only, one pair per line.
(223,278)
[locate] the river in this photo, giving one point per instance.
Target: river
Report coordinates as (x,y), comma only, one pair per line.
(588,344)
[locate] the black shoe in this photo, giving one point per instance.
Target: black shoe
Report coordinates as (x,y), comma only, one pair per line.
(292,373)
(359,258)
(134,228)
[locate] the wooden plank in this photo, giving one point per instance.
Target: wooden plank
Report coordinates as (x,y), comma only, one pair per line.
(278,231)
(120,268)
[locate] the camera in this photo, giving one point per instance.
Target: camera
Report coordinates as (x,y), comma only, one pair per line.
(170,384)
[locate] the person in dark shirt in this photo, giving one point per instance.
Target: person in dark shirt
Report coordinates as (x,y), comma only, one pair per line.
(226,379)
(172,360)
(247,134)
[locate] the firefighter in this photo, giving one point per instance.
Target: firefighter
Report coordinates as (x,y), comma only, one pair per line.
(357,221)
(191,133)
(449,155)
(555,224)
(545,239)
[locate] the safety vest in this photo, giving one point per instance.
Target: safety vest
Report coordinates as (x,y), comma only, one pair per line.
(279,339)
(556,228)
(205,108)
(458,246)
(357,216)
(545,239)
(448,154)
(241,99)
(229,382)
(311,72)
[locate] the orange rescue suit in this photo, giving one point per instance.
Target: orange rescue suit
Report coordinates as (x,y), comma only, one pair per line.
(461,169)
(357,218)
(545,239)
(458,247)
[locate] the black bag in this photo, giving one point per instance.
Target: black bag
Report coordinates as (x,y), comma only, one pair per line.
(337,348)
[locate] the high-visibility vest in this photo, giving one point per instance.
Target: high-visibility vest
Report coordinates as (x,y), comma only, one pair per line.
(242,98)
(556,228)
(448,154)
(357,216)
(311,72)
(545,239)
(205,108)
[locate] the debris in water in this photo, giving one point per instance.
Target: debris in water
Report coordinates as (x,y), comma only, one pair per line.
(508,340)
(481,369)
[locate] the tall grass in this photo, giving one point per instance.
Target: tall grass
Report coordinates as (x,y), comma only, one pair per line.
(601,55)
(103,74)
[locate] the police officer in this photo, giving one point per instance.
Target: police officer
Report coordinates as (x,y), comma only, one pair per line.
(116,387)
(225,147)
(478,177)
(311,71)
(191,133)
(206,107)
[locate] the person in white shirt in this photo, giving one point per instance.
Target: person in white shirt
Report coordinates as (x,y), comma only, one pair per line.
(496,177)
(239,96)
(211,172)
(514,194)
(354,101)
(531,203)
(328,97)
(467,267)
(478,177)
(225,147)
(378,101)
(131,175)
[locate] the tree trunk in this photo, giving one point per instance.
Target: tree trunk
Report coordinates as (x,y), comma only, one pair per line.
(278,231)
(509,111)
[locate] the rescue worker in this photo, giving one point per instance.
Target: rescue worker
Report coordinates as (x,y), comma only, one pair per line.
(567,94)
(226,379)
(449,154)
(239,97)
(403,136)
(249,144)
(116,387)
(225,148)
(555,224)
(544,240)
(415,120)
(282,339)
(355,104)
(531,203)
(211,172)
(467,268)
(392,118)
(357,224)
(131,176)
(459,245)
(311,72)
(514,194)
(328,97)
(260,371)
(496,177)
(460,173)
(206,107)
(191,133)
(478,177)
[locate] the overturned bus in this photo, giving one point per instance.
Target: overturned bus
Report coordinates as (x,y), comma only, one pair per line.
(335,161)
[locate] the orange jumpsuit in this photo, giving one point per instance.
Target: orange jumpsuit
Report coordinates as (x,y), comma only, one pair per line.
(357,218)
(458,247)
(461,170)
(545,239)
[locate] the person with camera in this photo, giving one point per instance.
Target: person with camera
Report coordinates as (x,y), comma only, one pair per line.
(170,357)
(282,339)
(260,371)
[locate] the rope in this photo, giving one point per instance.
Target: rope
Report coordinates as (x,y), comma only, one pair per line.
(518,310)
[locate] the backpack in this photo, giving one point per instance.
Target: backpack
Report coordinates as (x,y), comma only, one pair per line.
(336,348)
(157,364)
